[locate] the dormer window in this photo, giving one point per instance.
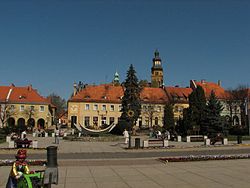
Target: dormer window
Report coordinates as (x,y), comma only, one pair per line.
(87,97)
(104,97)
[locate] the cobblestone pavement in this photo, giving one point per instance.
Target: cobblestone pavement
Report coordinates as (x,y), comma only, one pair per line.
(206,174)
(110,164)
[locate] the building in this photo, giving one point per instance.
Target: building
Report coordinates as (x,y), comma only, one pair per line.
(231,108)
(23,106)
(178,96)
(95,106)
(157,71)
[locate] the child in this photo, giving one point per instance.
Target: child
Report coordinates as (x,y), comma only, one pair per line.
(19,167)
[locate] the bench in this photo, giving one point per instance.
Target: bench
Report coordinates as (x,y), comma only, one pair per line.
(195,138)
(22,143)
(155,143)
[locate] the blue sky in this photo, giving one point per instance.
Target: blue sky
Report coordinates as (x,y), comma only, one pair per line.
(52,44)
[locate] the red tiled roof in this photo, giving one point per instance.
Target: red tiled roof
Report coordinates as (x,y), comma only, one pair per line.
(179,92)
(21,95)
(113,94)
(101,93)
(153,95)
(208,87)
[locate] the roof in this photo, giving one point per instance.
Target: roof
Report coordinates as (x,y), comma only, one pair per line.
(100,93)
(208,87)
(153,95)
(107,93)
(178,93)
(13,94)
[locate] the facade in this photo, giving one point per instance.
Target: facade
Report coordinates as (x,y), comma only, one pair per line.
(23,106)
(231,109)
(157,71)
(179,98)
(95,106)
(153,101)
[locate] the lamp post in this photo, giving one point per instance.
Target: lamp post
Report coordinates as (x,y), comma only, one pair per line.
(130,118)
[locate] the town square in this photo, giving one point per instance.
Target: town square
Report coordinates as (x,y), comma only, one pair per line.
(108,93)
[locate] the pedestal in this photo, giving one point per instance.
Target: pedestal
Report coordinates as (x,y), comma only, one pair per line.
(165,143)
(35,144)
(225,141)
(145,144)
(207,142)
(178,138)
(8,139)
(11,144)
(188,139)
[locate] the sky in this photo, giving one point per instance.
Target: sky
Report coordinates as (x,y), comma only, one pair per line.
(51,44)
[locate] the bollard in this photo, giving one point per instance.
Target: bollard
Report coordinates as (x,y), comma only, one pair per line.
(165,143)
(178,138)
(225,141)
(207,142)
(35,144)
(46,135)
(11,144)
(34,134)
(51,172)
(8,139)
(52,156)
(188,139)
(145,143)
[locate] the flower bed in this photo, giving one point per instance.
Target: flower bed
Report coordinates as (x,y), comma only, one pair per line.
(30,162)
(204,158)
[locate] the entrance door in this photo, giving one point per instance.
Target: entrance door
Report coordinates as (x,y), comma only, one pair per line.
(73,121)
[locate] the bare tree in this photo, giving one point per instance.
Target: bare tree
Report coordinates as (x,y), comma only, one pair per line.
(6,111)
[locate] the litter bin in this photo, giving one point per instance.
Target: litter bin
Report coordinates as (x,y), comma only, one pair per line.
(137,143)
(51,156)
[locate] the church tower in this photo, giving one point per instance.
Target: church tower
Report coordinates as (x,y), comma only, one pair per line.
(156,71)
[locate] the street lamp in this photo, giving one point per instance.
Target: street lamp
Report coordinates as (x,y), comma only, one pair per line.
(130,114)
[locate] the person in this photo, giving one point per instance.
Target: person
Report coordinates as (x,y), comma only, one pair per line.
(19,168)
(159,134)
(57,134)
(23,134)
(126,135)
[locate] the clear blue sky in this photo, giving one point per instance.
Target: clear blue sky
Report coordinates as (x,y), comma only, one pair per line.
(51,44)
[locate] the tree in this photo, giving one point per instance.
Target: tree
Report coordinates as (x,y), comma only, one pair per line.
(197,105)
(59,102)
(213,122)
(149,111)
(168,121)
(131,104)
(6,111)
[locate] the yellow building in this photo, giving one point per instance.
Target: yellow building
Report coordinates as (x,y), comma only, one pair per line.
(95,106)
(23,106)
(178,96)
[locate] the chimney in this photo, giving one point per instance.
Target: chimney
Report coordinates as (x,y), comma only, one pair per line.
(203,81)
(29,87)
(75,89)
(219,82)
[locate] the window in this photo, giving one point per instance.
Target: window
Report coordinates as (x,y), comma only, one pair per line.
(86,106)
(21,108)
(86,121)
(111,120)
(159,109)
(95,121)
(103,120)
(41,108)
(156,121)
(104,108)
(32,108)
(95,107)
(112,108)
(12,108)
(120,108)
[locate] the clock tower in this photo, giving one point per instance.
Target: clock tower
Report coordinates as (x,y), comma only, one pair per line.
(156,71)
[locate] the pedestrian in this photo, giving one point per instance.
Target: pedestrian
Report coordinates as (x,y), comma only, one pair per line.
(57,134)
(126,136)
(19,168)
